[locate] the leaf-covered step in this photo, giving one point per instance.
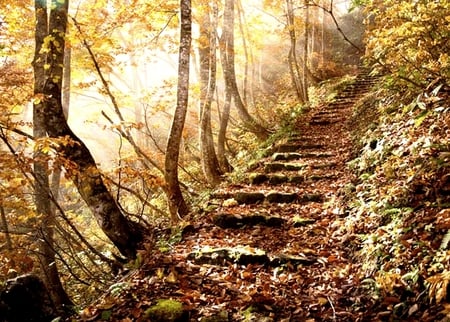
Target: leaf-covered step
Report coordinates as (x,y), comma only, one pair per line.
(332,113)
(311,197)
(281,197)
(249,197)
(281,166)
(274,179)
(318,177)
(227,220)
(247,256)
(298,147)
(222,256)
(291,156)
(325,121)
(286,156)
(301,221)
(302,139)
(324,165)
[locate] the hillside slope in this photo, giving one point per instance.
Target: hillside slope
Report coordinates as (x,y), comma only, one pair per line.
(343,221)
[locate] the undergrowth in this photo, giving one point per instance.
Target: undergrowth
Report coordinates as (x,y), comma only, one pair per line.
(399,210)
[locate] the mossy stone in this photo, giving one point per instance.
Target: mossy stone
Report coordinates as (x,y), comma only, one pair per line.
(167,310)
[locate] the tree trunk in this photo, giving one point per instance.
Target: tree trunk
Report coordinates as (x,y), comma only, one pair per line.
(305,53)
(208,61)
(223,161)
(228,66)
(81,166)
(292,56)
(42,194)
(177,205)
(5,229)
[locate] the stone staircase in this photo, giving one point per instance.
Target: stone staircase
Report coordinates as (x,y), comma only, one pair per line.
(282,219)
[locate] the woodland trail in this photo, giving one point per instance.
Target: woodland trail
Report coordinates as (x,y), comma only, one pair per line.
(272,247)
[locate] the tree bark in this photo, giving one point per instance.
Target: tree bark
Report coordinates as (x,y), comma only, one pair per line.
(292,56)
(177,205)
(208,62)
(305,53)
(81,166)
(223,161)
(227,53)
(42,194)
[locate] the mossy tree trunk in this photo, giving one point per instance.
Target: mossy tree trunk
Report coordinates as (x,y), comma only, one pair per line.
(42,194)
(80,166)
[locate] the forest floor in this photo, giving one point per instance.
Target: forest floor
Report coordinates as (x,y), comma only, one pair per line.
(270,248)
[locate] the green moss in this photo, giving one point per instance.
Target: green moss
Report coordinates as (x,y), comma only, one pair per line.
(166,310)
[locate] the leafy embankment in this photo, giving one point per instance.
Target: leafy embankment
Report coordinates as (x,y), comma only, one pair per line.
(345,219)
(399,213)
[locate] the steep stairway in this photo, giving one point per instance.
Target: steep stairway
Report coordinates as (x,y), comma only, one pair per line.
(272,241)
(269,248)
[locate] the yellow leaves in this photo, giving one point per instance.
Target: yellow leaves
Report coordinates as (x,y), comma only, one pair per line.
(410,38)
(444,60)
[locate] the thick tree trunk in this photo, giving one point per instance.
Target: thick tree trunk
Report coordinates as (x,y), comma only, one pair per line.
(228,66)
(81,166)
(45,233)
(207,55)
(177,205)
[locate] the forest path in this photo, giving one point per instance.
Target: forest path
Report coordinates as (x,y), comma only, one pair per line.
(271,249)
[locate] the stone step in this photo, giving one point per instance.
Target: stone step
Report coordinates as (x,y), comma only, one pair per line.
(329,114)
(278,179)
(286,156)
(298,146)
(324,121)
(248,256)
(247,198)
(228,220)
(291,156)
(281,166)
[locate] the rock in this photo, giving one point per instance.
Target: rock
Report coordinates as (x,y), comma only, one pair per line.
(167,311)
(225,220)
(258,178)
(26,298)
(280,166)
(221,316)
(294,167)
(238,255)
(283,259)
(286,156)
(288,148)
(311,197)
(300,221)
(249,197)
(278,179)
(246,256)
(297,179)
(281,197)
(274,167)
